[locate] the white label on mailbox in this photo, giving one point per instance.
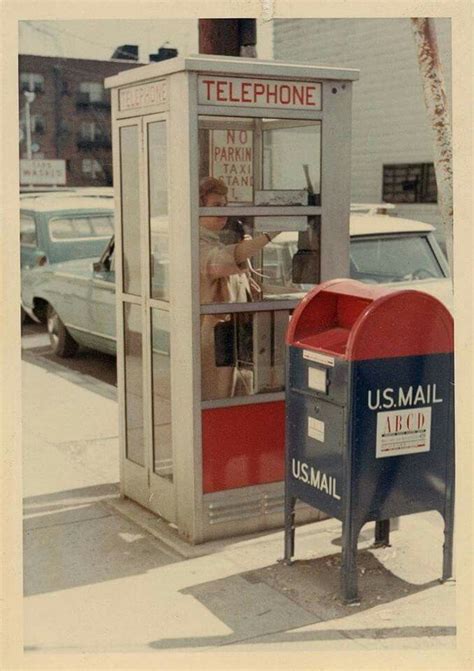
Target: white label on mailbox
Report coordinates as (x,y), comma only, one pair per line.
(403,432)
(316,429)
(317,379)
(318,357)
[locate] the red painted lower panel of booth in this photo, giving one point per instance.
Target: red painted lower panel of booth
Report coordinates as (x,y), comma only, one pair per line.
(243,445)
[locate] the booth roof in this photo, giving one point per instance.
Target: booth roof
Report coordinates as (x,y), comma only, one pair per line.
(231,65)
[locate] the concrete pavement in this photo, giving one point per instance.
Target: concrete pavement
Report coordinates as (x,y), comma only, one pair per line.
(103,575)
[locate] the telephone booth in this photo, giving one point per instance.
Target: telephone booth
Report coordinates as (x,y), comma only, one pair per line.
(207,277)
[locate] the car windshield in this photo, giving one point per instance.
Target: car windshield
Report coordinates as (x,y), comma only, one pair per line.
(393,259)
(375,259)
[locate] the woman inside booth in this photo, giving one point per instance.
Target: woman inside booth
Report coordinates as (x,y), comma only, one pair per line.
(225,277)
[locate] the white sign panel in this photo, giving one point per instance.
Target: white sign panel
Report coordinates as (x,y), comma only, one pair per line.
(403,432)
(317,379)
(266,93)
(143,95)
(316,429)
(231,160)
(36,172)
(317,357)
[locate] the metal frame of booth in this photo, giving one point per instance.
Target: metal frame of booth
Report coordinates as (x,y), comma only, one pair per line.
(168,93)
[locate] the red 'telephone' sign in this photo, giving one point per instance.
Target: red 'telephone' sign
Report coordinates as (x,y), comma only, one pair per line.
(265,93)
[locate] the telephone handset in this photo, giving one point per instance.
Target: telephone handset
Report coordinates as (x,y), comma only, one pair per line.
(233,231)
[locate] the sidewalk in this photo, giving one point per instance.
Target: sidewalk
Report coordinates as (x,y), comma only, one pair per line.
(103,575)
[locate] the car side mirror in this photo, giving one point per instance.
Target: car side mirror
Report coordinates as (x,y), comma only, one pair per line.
(98,266)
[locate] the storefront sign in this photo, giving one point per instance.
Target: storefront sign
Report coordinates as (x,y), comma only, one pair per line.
(43,172)
(144,95)
(246,92)
(231,160)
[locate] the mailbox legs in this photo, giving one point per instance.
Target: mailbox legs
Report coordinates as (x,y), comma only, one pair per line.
(350,535)
(290,502)
(382,533)
(448,517)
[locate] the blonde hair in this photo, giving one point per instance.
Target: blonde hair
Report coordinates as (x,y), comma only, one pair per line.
(211,185)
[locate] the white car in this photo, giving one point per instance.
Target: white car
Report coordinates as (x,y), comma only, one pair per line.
(384,250)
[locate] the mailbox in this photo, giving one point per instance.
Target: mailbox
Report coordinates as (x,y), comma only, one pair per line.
(369,413)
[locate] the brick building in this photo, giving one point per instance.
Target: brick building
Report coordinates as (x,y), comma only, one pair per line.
(392,142)
(70,115)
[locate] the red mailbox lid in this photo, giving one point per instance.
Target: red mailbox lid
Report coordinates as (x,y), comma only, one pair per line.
(357,321)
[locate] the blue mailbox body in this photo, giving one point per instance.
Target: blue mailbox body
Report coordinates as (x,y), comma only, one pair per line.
(369,412)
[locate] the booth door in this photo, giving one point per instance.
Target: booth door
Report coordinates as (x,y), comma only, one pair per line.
(143,324)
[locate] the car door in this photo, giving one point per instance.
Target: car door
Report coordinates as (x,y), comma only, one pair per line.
(103,302)
(68,288)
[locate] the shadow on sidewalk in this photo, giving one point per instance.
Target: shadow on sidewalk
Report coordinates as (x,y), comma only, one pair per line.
(73,538)
(88,368)
(263,605)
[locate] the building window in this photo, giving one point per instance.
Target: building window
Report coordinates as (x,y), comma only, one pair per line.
(89,131)
(92,167)
(409,183)
(92,134)
(31,82)
(37,123)
(93,91)
(64,127)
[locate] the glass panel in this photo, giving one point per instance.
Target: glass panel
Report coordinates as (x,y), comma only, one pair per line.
(133,384)
(292,157)
(243,353)
(61,229)
(158,208)
(27,231)
(254,156)
(82,228)
(162,446)
(259,163)
(256,258)
(102,226)
(227,153)
(130,210)
(397,259)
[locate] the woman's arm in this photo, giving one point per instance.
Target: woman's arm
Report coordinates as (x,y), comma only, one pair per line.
(247,248)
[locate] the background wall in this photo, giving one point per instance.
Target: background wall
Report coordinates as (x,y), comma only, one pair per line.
(389,119)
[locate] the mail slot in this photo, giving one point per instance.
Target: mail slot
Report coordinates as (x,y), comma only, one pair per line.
(369,413)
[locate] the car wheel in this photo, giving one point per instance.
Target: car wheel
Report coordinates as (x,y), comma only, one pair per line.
(62,343)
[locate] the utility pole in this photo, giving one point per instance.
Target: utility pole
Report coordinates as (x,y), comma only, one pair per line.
(437,108)
(29,97)
(228,37)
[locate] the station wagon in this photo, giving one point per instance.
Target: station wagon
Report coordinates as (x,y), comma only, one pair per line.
(59,227)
